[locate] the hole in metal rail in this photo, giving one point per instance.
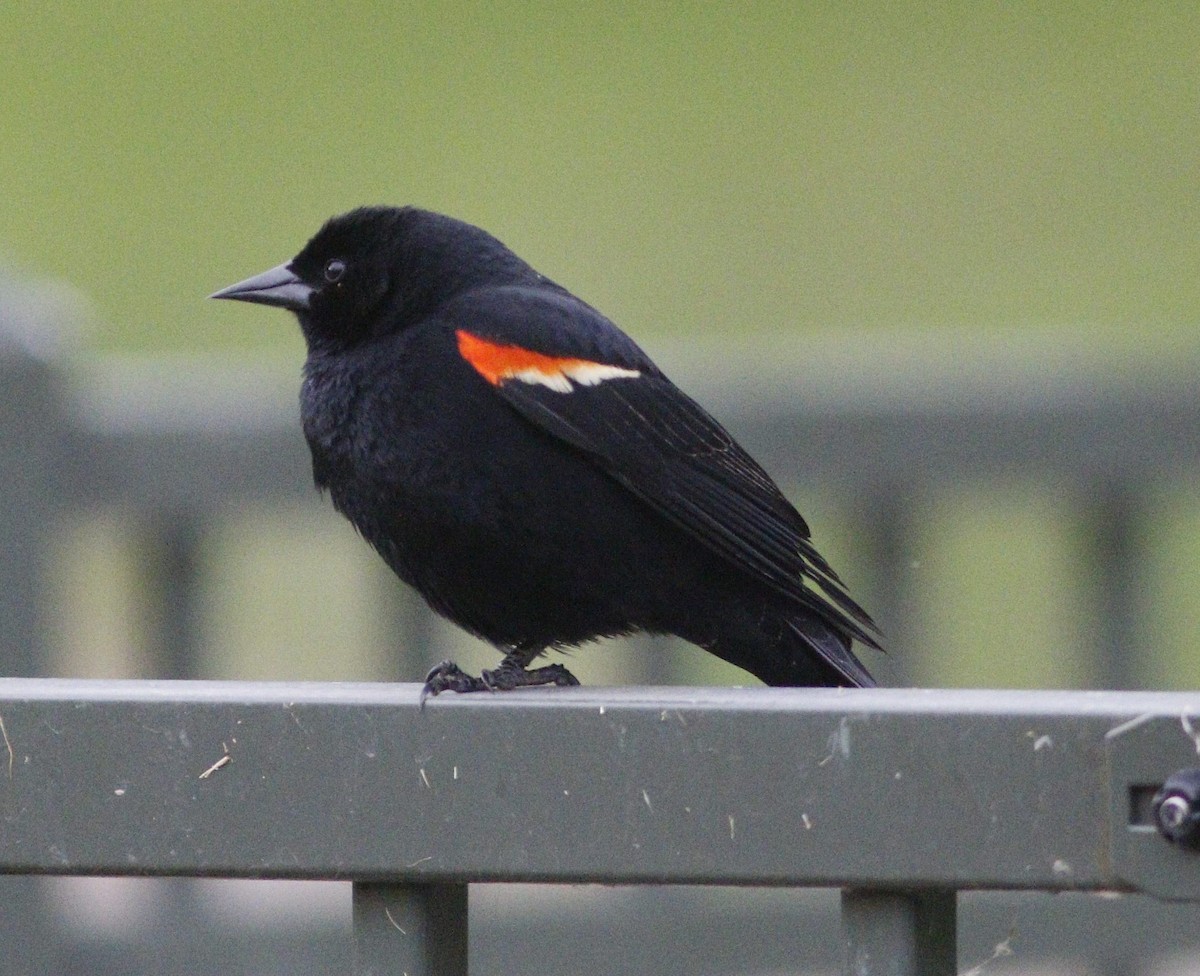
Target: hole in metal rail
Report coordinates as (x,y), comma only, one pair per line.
(1141,805)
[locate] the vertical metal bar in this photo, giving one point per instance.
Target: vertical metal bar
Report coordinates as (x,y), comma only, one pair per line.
(172,577)
(31,424)
(1114,565)
(899,933)
(410,929)
(883,522)
(33,420)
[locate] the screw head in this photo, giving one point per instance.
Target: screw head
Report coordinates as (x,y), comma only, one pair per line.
(1173,813)
(1176,808)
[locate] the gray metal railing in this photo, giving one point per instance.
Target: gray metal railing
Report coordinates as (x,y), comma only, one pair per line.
(899,798)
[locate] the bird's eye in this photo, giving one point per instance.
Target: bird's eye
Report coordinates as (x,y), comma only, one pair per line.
(334,270)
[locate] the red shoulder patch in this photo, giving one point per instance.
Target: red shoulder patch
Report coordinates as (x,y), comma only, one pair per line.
(498,363)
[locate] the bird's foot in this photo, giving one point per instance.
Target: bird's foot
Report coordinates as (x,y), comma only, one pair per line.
(509,676)
(448,676)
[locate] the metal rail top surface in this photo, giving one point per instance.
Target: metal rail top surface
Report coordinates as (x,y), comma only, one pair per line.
(900,788)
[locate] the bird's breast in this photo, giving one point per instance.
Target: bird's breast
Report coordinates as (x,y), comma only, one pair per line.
(396,433)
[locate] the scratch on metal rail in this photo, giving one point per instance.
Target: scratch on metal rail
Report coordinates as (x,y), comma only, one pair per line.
(1133,723)
(395,924)
(7,745)
(1190,731)
(1002,950)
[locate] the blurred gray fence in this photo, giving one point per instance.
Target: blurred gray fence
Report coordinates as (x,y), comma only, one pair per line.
(174,442)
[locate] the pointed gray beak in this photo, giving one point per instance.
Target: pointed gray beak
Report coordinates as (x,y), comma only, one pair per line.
(279,287)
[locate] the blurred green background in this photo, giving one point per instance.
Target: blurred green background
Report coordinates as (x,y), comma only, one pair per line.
(685,166)
(691,169)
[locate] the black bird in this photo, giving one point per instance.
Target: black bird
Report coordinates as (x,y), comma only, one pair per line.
(518,460)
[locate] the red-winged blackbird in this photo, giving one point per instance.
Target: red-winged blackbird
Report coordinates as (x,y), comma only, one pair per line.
(518,460)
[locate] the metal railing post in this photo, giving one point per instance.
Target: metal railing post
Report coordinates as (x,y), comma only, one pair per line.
(1112,523)
(172,581)
(32,421)
(31,430)
(410,929)
(899,933)
(884,521)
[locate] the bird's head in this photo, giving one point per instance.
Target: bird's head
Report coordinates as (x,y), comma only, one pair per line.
(377,270)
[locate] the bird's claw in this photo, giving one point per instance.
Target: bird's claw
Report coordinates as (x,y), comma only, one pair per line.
(448,676)
(561,676)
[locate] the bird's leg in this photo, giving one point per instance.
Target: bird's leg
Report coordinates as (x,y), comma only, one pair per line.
(514,672)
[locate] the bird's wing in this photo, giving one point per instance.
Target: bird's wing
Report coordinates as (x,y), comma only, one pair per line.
(637,425)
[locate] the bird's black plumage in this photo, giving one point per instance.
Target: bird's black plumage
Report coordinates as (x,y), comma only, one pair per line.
(523,464)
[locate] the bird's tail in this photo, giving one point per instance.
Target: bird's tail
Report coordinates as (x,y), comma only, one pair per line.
(782,645)
(812,637)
